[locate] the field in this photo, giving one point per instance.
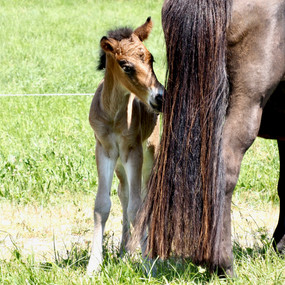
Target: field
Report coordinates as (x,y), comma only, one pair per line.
(47,166)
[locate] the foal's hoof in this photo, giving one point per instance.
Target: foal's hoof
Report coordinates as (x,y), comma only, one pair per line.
(93,268)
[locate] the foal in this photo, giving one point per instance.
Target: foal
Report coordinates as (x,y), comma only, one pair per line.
(126,129)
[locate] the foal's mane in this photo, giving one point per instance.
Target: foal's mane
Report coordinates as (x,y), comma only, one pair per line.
(117,34)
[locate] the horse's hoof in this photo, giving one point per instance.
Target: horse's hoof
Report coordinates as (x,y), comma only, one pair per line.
(229,272)
(149,267)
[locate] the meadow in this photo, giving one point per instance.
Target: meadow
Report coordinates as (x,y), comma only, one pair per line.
(48,175)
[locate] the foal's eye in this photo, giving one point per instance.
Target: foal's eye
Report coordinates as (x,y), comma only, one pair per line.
(127,67)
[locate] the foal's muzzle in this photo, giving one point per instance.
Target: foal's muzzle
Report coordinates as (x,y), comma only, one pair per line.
(156,98)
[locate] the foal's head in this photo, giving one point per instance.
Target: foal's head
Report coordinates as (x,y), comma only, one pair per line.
(132,64)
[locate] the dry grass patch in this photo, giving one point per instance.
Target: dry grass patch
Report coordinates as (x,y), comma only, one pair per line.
(44,230)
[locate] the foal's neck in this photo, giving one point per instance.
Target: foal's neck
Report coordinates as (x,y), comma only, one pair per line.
(114,96)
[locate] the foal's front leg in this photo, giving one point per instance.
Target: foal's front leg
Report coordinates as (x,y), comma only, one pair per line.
(105,168)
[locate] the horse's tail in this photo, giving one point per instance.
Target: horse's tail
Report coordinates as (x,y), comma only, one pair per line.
(184,207)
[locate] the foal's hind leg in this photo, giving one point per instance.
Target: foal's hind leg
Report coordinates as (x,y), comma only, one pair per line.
(150,149)
(133,167)
(279,234)
(105,168)
(123,193)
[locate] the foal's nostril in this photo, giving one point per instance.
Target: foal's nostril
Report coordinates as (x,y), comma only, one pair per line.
(155,101)
(158,99)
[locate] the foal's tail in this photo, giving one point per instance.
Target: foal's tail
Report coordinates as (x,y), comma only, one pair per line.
(184,207)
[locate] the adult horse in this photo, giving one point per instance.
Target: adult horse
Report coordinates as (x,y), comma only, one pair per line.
(226,86)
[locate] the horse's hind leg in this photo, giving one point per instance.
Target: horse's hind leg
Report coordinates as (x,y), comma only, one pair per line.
(240,130)
(105,168)
(279,234)
(123,193)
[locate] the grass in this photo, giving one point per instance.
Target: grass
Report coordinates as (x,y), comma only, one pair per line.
(52,46)
(260,172)
(47,147)
(70,270)
(47,166)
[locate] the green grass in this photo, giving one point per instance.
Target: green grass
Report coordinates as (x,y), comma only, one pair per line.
(52,46)
(253,266)
(260,172)
(47,145)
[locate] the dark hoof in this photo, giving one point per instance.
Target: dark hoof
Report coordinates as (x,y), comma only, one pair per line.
(229,272)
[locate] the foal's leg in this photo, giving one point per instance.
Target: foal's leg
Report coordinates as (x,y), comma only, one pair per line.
(133,167)
(150,149)
(123,193)
(240,130)
(148,158)
(279,234)
(105,168)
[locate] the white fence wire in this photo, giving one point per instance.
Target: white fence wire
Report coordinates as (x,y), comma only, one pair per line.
(52,94)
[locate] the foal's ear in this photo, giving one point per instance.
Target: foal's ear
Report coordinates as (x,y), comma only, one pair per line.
(143,31)
(108,44)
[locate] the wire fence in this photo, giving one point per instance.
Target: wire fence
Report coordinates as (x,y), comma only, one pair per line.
(43,95)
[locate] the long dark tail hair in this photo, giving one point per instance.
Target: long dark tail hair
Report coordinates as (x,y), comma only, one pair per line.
(184,206)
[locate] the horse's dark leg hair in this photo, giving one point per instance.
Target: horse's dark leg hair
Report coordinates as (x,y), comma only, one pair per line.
(279,234)
(239,133)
